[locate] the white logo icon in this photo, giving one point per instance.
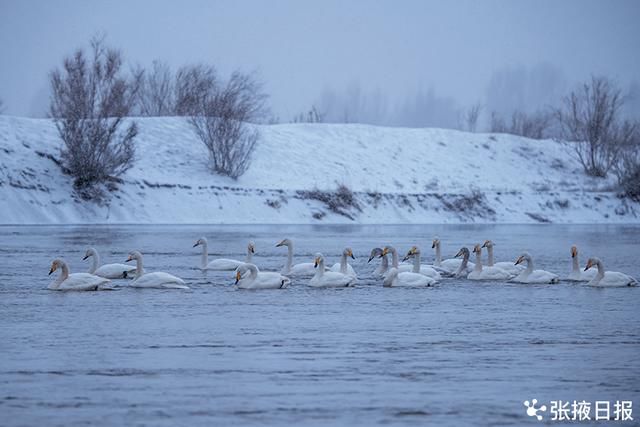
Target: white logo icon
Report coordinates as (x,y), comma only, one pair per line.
(532,411)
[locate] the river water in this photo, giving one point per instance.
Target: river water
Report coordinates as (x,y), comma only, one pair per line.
(461,353)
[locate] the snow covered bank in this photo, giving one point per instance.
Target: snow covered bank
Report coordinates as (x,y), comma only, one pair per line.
(390,175)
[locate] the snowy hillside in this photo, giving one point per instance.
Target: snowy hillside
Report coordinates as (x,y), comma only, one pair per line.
(396,175)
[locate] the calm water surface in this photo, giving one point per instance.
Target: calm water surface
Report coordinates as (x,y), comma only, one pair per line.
(458,354)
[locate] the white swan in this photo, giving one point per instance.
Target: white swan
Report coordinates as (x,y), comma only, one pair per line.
(76,281)
(608,278)
(108,271)
(576,274)
(529,275)
(221,264)
(384,263)
(507,266)
(158,279)
(343,266)
(463,270)
(414,253)
(395,278)
(394,260)
(486,273)
(302,269)
(328,279)
(257,279)
(449,266)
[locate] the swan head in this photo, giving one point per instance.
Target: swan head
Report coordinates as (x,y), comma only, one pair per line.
(251,247)
(134,255)
(477,249)
(318,260)
(200,241)
(412,252)
(522,258)
(463,252)
(386,250)
(348,253)
(574,251)
(284,242)
(487,244)
(57,263)
(436,242)
(376,253)
(591,262)
(90,252)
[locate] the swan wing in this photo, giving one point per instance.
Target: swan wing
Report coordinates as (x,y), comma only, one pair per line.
(223,264)
(266,280)
(82,282)
(413,280)
(510,267)
(331,279)
(115,271)
(302,269)
(429,271)
(615,279)
(159,280)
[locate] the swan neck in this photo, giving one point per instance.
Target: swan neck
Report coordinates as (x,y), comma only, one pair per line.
(478,266)
(343,264)
(575,264)
(289,257)
(205,255)
(95,262)
(249,256)
(320,268)
(394,258)
(490,256)
(600,269)
(529,268)
(438,262)
(416,263)
(253,272)
(138,267)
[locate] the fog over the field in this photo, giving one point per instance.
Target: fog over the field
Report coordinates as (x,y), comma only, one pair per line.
(413,63)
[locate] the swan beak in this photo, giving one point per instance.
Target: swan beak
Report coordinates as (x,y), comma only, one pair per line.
(458,254)
(588,266)
(129,259)
(484,245)
(574,252)
(252,249)
(519,260)
(52,270)
(279,244)
(315,264)
(370,258)
(195,244)
(351,255)
(238,277)
(385,251)
(405,258)
(85,257)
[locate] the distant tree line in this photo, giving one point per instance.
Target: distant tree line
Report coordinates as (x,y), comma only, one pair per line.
(92,98)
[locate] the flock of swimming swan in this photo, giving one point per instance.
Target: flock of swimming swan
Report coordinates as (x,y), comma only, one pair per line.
(409,273)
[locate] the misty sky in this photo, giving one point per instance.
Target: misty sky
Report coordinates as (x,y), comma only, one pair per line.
(388,54)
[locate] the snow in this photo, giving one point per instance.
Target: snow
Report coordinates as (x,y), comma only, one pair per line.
(397,175)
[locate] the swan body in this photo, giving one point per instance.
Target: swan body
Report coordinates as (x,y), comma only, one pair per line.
(413,267)
(486,273)
(290,269)
(448,266)
(155,280)
(577,275)
(329,279)
(221,264)
(507,266)
(414,253)
(395,279)
(529,275)
(257,279)
(343,266)
(381,270)
(608,279)
(76,281)
(108,271)
(463,271)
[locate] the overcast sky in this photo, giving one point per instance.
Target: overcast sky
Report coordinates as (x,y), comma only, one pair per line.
(304,49)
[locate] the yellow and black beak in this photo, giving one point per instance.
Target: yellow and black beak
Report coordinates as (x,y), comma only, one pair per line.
(458,254)
(129,259)
(351,255)
(519,260)
(85,257)
(238,277)
(280,244)
(385,251)
(196,244)
(589,265)
(316,262)
(53,268)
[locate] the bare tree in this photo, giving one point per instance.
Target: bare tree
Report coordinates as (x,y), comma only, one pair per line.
(590,124)
(194,85)
(530,125)
(311,116)
(90,99)
(156,94)
(469,118)
(627,169)
(221,123)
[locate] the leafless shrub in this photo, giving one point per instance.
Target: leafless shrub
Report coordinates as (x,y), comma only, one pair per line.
(533,125)
(311,116)
(469,118)
(341,201)
(194,86)
(221,122)
(90,99)
(591,125)
(156,96)
(627,169)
